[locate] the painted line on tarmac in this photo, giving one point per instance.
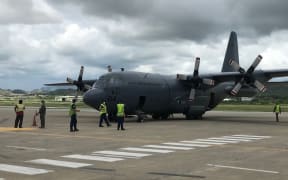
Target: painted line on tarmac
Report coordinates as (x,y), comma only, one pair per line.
(186,143)
(121,153)
(22,169)
(7,129)
(243,135)
(168,147)
(241,168)
(93,158)
(59,163)
(27,148)
(223,140)
(146,150)
(207,143)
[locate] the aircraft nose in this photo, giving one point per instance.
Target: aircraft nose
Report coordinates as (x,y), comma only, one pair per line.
(93,97)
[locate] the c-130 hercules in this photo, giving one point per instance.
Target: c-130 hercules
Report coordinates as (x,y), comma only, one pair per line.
(162,95)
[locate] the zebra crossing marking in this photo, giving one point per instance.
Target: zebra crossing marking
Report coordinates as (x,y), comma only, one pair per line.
(22,169)
(186,143)
(93,158)
(243,135)
(207,143)
(59,163)
(122,154)
(146,150)
(168,147)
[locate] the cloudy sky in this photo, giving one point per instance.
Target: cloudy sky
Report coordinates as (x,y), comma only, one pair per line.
(44,41)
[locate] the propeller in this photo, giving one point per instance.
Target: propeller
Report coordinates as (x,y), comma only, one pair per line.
(247,76)
(79,83)
(195,79)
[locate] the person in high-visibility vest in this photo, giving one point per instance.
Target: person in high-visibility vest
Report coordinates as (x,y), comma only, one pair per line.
(120,116)
(73,116)
(103,114)
(277,111)
(19,110)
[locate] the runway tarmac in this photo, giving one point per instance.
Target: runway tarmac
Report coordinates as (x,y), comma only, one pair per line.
(222,146)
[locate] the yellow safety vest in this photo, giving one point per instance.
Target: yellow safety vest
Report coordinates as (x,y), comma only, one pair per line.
(20,107)
(103,109)
(277,108)
(71,110)
(120,110)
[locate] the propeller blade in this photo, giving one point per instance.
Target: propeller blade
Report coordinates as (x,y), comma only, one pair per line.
(236,88)
(81,73)
(236,66)
(196,67)
(255,63)
(192,94)
(260,86)
(210,82)
(181,77)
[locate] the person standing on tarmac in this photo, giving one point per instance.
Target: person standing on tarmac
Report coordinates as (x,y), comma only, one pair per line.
(42,112)
(120,116)
(73,116)
(103,114)
(277,111)
(19,110)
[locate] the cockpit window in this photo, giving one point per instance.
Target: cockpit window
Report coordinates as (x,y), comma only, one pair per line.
(99,83)
(105,81)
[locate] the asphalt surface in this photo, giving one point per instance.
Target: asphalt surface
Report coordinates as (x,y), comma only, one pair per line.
(256,147)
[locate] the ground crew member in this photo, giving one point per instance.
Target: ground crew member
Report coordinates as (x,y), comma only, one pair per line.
(73,116)
(103,114)
(19,110)
(120,116)
(277,110)
(42,112)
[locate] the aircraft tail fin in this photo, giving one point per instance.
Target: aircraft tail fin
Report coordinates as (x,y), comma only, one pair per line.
(231,53)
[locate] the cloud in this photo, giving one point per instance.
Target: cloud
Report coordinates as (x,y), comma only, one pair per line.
(191,19)
(27,12)
(46,41)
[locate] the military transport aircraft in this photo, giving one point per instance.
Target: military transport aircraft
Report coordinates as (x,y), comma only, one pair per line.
(162,95)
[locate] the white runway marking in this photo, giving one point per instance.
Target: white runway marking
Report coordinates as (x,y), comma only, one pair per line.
(120,153)
(186,143)
(27,148)
(216,140)
(207,143)
(147,150)
(59,163)
(168,147)
(224,140)
(234,139)
(240,168)
(249,138)
(22,169)
(93,158)
(243,135)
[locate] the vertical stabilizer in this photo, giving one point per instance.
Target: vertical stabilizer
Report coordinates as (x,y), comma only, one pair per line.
(231,53)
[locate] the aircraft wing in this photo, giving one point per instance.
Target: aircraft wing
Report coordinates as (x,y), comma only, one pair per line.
(235,76)
(88,82)
(59,84)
